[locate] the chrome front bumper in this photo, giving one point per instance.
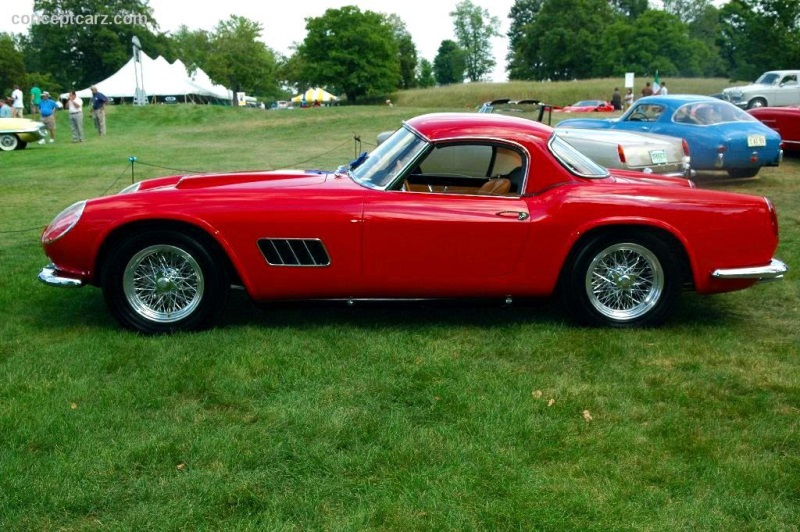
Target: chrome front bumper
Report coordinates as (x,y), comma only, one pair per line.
(49,276)
(773,272)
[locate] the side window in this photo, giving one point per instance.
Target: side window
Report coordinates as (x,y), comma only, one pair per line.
(469,168)
(466,160)
(646,113)
(790,79)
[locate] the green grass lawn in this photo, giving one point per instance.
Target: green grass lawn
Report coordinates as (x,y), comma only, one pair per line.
(404,417)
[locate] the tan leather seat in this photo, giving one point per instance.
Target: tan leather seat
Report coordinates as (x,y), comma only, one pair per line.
(495,187)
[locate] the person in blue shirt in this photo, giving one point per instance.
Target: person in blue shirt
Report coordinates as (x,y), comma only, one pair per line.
(48,108)
(99,102)
(5,109)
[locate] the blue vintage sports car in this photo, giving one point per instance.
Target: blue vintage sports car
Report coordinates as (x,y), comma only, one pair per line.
(720,135)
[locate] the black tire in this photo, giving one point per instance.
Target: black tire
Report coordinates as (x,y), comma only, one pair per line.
(756,102)
(616,280)
(738,173)
(9,142)
(165,281)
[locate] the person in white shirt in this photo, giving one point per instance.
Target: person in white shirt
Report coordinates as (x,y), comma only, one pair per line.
(18,102)
(663,91)
(75,106)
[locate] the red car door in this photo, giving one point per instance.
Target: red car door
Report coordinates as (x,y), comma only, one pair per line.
(418,244)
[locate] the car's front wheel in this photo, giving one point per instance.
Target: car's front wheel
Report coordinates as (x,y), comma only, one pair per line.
(164,281)
(623,281)
(756,102)
(8,142)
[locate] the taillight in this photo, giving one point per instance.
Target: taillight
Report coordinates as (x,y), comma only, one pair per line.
(62,223)
(721,149)
(621,153)
(685,147)
(773,217)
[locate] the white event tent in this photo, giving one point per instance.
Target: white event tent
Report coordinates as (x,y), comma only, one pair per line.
(160,79)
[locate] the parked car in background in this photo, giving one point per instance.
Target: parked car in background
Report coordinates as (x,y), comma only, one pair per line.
(589,106)
(784,120)
(16,133)
(641,152)
(720,135)
(775,88)
(452,205)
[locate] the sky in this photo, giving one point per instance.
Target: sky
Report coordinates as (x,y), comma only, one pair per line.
(428,22)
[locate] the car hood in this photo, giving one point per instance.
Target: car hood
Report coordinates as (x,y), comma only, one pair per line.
(240,180)
(12,125)
(262,180)
(753,87)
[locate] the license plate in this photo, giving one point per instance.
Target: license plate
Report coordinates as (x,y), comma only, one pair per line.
(658,157)
(755,141)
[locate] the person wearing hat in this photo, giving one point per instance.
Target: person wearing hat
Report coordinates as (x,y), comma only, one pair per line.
(99,102)
(47,108)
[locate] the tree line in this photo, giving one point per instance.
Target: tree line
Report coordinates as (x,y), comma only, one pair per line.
(364,54)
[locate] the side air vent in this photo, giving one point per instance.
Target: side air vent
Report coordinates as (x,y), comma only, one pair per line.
(294,252)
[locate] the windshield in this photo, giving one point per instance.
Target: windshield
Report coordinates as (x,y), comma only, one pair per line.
(389,159)
(573,160)
(768,78)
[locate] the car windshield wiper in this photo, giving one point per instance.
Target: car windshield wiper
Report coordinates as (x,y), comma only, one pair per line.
(358,161)
(352,165)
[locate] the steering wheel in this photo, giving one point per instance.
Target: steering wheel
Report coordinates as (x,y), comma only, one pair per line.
(638,116)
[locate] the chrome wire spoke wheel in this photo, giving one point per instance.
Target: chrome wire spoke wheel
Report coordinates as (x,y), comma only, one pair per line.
(624,281)
(163,283)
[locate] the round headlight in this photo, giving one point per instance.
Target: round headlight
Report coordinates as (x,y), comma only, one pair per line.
(64,222)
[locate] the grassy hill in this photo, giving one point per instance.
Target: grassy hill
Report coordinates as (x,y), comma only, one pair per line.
(470,95)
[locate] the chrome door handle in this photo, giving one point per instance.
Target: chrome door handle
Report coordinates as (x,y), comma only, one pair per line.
(519,215)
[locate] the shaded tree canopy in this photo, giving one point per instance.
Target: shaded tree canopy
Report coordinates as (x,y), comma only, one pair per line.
(407,52)
(12,65)
(240,60)
(77,55)
(474,28)
(352,50)
(564,39)
(450,63)
(425,77)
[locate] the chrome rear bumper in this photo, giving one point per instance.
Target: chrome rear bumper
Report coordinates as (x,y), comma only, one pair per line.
(773,272)
(49,276)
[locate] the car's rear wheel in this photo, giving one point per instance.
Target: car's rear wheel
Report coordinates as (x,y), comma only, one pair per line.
(164,281)
(756,102)
(623,281)
(8,142)
(743,172)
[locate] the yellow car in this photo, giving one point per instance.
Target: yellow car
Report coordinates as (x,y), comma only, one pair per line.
(16,133)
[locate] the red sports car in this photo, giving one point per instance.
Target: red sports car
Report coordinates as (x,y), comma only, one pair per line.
(589,106)
(784,120)
(452,205)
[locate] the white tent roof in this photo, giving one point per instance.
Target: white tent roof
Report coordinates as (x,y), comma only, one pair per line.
(160,78)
